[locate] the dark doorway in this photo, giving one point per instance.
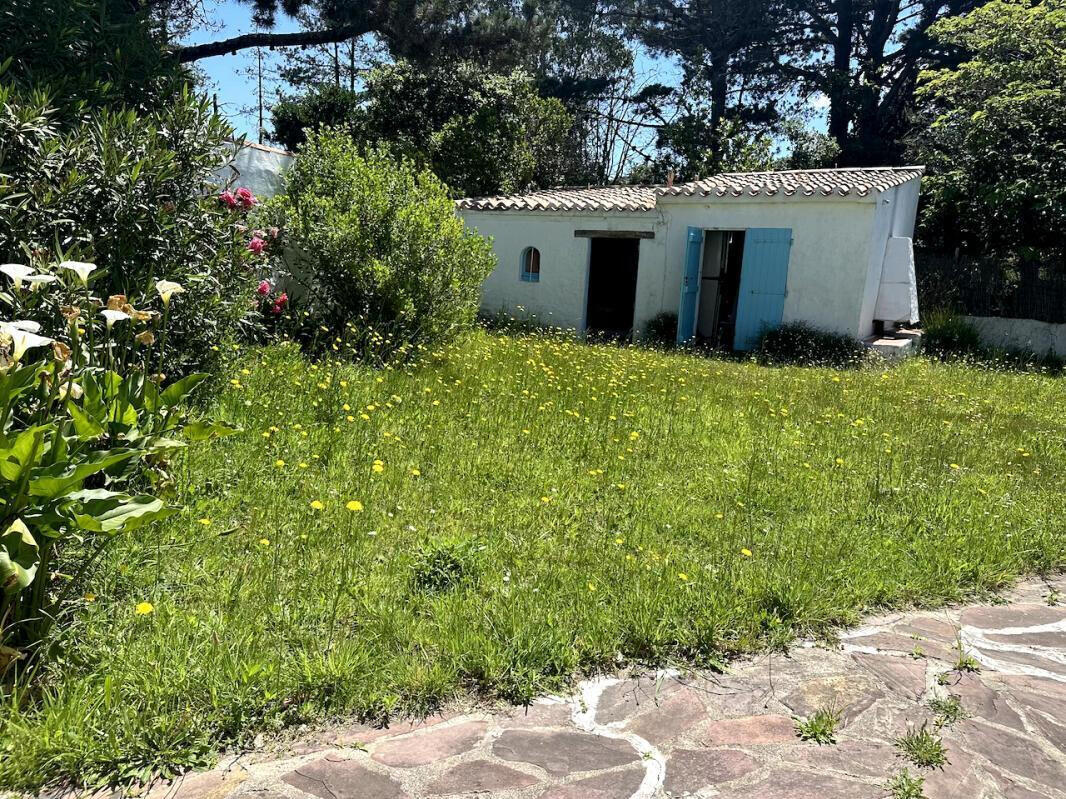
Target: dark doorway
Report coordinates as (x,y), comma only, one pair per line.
(612,290)
(723,252)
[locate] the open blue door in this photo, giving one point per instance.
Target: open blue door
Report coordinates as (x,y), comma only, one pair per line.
(690,286)
(763,275)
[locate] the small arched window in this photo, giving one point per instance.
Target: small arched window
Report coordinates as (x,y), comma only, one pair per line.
(531,265)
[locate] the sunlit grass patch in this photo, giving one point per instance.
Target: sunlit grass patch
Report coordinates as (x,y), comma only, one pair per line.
(515,510)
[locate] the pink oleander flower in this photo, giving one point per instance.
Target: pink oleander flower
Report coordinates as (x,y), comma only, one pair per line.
(257,245)
(245,197)
(227,199)
(282,299)
(264,288)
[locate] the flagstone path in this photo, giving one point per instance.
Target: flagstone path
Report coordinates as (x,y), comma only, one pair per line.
(733,735)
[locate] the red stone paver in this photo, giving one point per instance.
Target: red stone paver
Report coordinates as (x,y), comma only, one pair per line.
(478,776)
(330,779)
(437,744)
(563,752)
(751,731)
(691,770)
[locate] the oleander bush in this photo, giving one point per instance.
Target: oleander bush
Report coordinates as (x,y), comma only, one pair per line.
(132,193)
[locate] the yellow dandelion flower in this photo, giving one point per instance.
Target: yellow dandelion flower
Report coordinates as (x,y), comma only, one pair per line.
(378,468)
(89,596)
(264,542)
(279,463)
(317,504)
(144,608)
(745,552)
(682,576)
(415,473)
(354,505)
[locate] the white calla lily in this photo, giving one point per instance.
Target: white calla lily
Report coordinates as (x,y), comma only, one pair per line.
(17,272)
(81,268)
(36,281)
(23,339)
(113,316)
(27,324)
(167,289)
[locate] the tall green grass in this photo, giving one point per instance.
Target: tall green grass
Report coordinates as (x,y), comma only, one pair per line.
(538,508)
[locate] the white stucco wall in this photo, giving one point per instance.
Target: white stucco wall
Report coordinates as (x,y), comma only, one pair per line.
(1029,335)
(256,166)
(559,297)
(828,263)
(834,272)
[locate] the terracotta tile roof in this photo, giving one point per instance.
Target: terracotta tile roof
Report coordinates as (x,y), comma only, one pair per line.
(802,182)
(593,198)
(788,183)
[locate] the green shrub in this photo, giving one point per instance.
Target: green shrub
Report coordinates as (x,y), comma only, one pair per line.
(446,563)
(946,334)
(378,245)
(130,193)
(800,343)
(661,330)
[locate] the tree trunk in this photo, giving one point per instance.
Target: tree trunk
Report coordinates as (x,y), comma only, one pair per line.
(840,110)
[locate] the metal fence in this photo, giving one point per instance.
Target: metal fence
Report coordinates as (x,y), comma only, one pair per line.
(1030,288)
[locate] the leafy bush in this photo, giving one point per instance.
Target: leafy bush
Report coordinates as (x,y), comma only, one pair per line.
(946,334)
(661,330)
(445,564)
(481,133)
(83,428)
(89,54)
(129,193)
(378,245)
(800,343)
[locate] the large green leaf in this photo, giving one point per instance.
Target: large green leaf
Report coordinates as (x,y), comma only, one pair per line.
(120,512)
(84,425)
(19,557)
(177,391)
(203,430)
(23,452)
(54,481)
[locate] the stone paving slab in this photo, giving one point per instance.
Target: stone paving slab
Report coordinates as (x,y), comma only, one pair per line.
(654,736)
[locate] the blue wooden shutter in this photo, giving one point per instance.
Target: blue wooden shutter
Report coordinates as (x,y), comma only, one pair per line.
(690,286)
(763,276)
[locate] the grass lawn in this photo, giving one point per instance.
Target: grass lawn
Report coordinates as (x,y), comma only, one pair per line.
(531,508)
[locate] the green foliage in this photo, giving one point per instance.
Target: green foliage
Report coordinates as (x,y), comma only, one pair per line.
(808,149)
(993,131)
(379,244)
(945,334)
(324,105)
(905,785)
(583,549)
(661,330)
(802,344)
(444,564)
(948,710)
(922,748)
(87,53)
(127,192)
(480,133)
(820,727)
(80,431)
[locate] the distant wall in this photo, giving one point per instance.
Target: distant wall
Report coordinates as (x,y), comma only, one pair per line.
(1030,335)
(256,166)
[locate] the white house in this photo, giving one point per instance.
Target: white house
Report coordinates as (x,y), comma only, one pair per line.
(731,255)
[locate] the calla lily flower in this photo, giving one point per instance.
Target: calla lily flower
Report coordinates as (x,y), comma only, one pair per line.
(113,316)
(81,268)
(27,324)
(167,289)
(36,281)
(23,339)
(17,272)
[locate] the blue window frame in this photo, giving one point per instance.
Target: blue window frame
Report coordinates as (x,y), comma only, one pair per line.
(531,265)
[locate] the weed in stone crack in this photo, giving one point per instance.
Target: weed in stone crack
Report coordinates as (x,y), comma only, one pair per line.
(948,711)
(819,727)
(923,748)
(905,785)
